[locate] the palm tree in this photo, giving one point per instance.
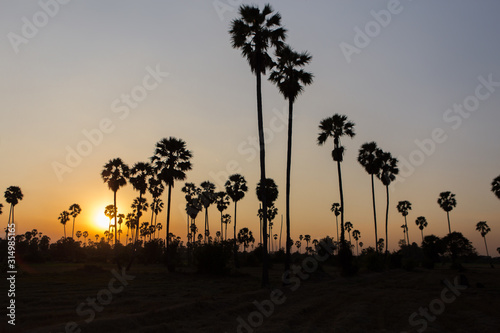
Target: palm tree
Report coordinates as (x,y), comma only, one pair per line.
(348,226)
(74,210)
(356,235)
(222,201)
(336,210)
(447,201)
(495,186)
(115,174)
(421,222)
(290,79)
(403,207)
(85,234)
(192,199)
(12,195)
(336,127)
(78,234)
(483,228)
(139,176)
(271,215)
(129,223)
(388,171)
(156,189)
(120,221)
(368,158)
(254,33)
(110,211)
(236,186)
(269,192)
(64,218)
(170,162)
(139,205)
(207,197)
(226,219)
(245,237)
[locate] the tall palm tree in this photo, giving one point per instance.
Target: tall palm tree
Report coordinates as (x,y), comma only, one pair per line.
(336,210)
(12,195)
(115,174)
(255,32)
(484,229)
(403,207)
(447,201)
(368,158)
(74,210)
(156,189)
(270,192)
(138,206)
(222,202)
(290,79)
(236,186)
(109,211)
(226,219)
(170,162)
(388,171)
(336,127)
(356,235)
(64,218)
(495,186)
(140,174)
(207,197)
(421,222)
(192,200)
(348,227)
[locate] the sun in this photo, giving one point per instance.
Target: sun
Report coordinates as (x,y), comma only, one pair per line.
(101,221)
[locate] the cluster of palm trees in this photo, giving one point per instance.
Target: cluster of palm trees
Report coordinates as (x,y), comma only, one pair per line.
(73,211)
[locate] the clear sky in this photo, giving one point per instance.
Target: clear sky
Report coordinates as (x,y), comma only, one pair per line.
(400,71)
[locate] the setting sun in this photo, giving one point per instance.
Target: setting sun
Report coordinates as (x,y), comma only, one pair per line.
(101,221)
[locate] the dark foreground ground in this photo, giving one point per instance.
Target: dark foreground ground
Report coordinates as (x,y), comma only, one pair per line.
(52,295)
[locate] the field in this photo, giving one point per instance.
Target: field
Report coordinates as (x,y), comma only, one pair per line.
(151,300)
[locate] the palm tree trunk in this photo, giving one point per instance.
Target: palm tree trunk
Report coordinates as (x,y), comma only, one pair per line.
(235,248)
(342,232)
(73,230)
(208,224)
(281,230)
(8,222)
(167,240)
(374,213)
(153,213)
(407,233)
(422,231)
(288,257)
(64,225)
(357,252)
(114,204)
(486,245)
(449,227)
(221,231)
(387,221)
(338,240)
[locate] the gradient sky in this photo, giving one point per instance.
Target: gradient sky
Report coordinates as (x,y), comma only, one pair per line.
(69,74)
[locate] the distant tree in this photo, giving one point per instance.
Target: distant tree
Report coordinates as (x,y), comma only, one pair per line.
(207,197)
(405,230)
(120,221)
(495,186)
(109,211)
(226,219)
(245,237)
(433,247)
(388,171)
(403,207)
(64,218)
(115,174)
(12,195)
(138,206)
(484,229)
(222,202)
(139,178)
(421,223)
(458,246)
(170,163)
(380,245)
(361,243)
(156,189)
(368,158)
(447,202)
(74,210)
(298,244)
(336,210)
(78,234)
(236,187)
(356,235)
(336,127)
(85,234)
(348,227)
(307,238)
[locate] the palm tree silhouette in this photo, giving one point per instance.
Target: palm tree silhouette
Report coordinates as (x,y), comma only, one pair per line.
(207,197)
(421,222)
(85,234)
(290,79)
(12,195)
(115,174)
(405,230)
(403,207)
(236,186)
(192,193)
(139,205)
(156,189)
(484,229)
(170,162)
(245,237)
(495,186)
(110,211)
(336,127)
(226,219)
(388,171)
(447,201)
(348,226)
(64,218)
(271,215)
(356,235)
(139,178)
(254,33)
(222,202)
(336,210)
(368,158)
(78,235)
(269,192)
(120,221)
(74,210)
(129,223)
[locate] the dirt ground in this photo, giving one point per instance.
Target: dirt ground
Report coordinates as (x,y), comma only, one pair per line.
(64,298)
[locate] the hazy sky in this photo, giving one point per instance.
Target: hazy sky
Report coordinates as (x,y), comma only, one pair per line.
(420,78)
